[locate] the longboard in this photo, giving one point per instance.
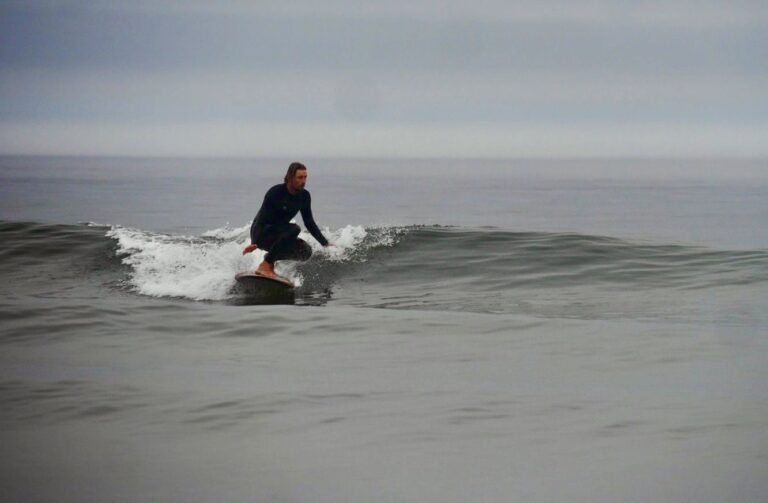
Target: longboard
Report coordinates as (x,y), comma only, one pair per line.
(256,280)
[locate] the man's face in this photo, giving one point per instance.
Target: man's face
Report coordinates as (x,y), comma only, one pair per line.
(299,180)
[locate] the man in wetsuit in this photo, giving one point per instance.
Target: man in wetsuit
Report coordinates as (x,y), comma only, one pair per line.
(272,229)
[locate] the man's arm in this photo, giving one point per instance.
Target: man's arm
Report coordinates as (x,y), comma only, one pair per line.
(309,221)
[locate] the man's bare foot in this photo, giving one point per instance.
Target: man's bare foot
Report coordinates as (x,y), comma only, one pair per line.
(266,269)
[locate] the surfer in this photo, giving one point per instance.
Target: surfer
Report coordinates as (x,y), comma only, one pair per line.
(272,229)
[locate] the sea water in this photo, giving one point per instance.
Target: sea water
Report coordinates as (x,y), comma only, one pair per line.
(506,330)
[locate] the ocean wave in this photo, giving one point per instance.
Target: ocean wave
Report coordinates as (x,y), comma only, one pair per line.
(34,242)
(435,267)
(502,259)
(203,267)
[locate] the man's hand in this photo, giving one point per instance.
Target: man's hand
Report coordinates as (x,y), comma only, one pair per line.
(248,249)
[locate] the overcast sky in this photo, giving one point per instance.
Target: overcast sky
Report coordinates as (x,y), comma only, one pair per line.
(544,78)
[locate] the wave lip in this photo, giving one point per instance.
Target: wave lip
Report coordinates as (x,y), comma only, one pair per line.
(554,275)
(498,260)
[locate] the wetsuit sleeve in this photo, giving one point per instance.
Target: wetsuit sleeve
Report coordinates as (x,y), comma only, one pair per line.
(256,227)
(255,231)
(306,215)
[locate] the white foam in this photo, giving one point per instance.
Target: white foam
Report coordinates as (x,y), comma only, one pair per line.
(180,266)
(227,232)
(342,240)
(94,224)
(204,267)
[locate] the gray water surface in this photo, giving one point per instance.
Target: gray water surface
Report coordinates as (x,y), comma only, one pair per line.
(485,331)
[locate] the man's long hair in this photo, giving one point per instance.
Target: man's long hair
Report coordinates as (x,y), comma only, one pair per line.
(292,169)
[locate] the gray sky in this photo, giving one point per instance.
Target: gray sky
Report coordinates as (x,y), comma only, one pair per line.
(544,78)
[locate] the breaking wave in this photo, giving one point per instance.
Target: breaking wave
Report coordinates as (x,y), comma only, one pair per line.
(416,267)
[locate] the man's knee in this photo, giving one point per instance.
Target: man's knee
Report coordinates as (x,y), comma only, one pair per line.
(303,250)
(292,230)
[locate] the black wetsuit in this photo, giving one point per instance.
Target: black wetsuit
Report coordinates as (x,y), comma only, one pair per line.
(273,231)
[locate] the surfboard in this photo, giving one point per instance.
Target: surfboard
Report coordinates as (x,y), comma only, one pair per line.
(254,279)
